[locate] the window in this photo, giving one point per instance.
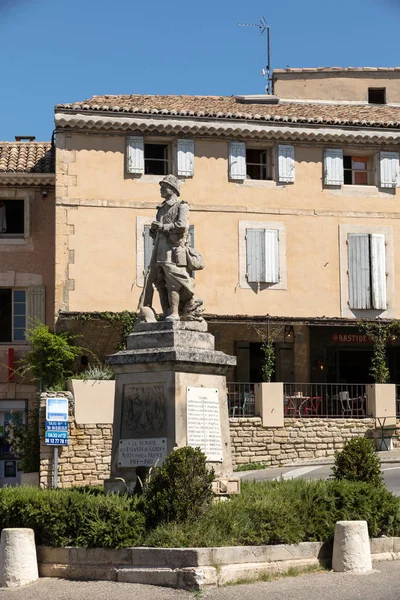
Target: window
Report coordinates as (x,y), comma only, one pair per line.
(156,159)
(12,315)
(367,271)
(262,255)
(12,218)
(377,95)
(357,170)
(258,163)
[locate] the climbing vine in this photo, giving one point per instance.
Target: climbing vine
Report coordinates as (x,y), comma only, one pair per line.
(381,334)
(122,321)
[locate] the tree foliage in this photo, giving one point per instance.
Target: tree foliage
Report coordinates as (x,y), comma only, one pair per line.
(358,461)
(381,333)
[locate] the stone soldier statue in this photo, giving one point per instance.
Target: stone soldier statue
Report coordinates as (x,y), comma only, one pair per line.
(172,261)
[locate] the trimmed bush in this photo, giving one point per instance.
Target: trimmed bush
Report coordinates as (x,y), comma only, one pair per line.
(358,461)
(180,490)
(71,518)
(273,512)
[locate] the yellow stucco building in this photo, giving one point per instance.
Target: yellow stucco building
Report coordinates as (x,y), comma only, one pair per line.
(294,206)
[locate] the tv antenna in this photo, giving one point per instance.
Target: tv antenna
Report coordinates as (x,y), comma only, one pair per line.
(263,26)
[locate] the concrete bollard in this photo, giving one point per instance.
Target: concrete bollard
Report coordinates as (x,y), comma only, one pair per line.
(18,560)
(351,547)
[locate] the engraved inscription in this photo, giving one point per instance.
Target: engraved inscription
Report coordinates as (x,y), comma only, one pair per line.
(144,408)
(203,422)
(145,452)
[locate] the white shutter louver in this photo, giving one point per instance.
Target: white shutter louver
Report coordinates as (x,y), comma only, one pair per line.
(36,305)
(135,155)
(359,271)
(255,249)
(185,158)
(271,256)
(389,170)
(148,247)
(333,167)
(286,163)
(378,270)
(237,160)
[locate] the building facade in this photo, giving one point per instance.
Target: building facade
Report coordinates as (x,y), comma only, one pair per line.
(27,258)
(294,207)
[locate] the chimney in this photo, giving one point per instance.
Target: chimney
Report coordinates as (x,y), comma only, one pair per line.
(25,138)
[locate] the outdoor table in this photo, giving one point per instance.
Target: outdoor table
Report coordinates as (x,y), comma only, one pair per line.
(295,404)
(387,429)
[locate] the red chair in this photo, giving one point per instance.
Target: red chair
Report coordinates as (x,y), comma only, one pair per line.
(312,407)
(289,407)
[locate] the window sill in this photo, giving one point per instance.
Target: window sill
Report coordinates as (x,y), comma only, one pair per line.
(21,343)
(9,241)
(265,184)
(360,191)
(153,178)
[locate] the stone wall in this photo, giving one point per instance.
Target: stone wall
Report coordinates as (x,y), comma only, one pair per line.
(85,461)
(299,439)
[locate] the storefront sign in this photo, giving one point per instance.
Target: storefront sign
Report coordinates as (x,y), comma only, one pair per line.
(351,338)
(145,452)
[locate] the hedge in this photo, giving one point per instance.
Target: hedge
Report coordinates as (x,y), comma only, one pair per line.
(273,512)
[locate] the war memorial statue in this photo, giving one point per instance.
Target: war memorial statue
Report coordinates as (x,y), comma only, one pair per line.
(173,261)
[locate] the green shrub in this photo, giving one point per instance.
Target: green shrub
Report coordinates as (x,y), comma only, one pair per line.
(180,490)
(98,372)
(358,461)
(68,517)
(284,512)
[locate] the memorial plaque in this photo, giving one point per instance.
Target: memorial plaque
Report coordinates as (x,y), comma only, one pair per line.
(203,422)
(146,452)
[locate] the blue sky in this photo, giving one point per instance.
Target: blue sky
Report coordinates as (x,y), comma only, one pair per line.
(56,51)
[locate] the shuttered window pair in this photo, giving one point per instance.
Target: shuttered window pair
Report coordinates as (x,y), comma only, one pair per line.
(238,166)
(334,171)
(135,156)
(149,245)
(262,255)
(367,271)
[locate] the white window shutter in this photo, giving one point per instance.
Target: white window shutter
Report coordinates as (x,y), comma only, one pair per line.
(286,163)
(333,167)
(237,160)
(255,255)
(148,247)
(359,271)
(36,305)
(378,270)
(135,155)
(185,158)
(271,256)
(389,171)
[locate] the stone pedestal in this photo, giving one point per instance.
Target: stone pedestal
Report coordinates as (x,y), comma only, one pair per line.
(170,392)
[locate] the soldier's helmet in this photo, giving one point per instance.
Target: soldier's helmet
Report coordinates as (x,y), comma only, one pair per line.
(173,182)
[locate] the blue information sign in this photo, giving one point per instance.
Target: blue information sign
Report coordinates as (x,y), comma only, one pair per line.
(56,426)
(56,438)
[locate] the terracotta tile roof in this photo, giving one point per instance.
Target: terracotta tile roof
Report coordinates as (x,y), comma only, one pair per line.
(26,157)
(337,69)
(227,107)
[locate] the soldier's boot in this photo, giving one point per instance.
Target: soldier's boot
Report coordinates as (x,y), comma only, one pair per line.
(164,300)
(174,299)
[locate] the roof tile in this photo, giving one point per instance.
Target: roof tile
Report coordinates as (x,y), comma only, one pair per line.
(223,107)
(26,157)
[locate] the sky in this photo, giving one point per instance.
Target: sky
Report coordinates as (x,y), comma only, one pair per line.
(55,51)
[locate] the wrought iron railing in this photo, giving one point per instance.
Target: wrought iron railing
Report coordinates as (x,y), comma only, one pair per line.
(326,400)
(241,400)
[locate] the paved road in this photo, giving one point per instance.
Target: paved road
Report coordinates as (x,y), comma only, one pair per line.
(391,475)
(382,584)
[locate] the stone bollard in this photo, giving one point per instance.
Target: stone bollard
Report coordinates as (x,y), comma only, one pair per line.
(18,560)
(351,547)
